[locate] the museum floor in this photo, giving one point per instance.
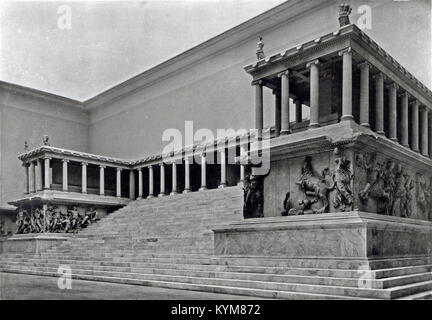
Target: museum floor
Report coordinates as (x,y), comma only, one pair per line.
(29,287)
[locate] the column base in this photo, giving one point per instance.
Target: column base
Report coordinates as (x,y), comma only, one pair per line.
(425,155)
(173,193)
(382,133)
(139,198)
(314,125)
(203,189)
(102,194)
(406,145)
(286,132)
(186,191)
(160,195)
(366,125)
(223,185)
(347,118)
(394,139)
(150,197)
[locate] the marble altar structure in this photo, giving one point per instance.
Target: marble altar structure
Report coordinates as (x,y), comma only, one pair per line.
(350,148)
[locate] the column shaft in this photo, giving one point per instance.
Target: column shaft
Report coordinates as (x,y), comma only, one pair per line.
(102,180)
(393,112)
(65,175)
(203,173)
(242,167)
(259,108)
(47,173)
(26,179)
(151,182)
(347,85)
(39,178)
(364,94)
(162,180)
(132,185)
(404,120)
(285,92)
(32,176)
(140,183)
(415,126)
(430,134)
(84,177)
(314,94)
(187,175)
(223,169)
(174,179)
(424,132)
(118,182)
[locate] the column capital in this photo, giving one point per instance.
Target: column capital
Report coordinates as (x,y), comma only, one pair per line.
(257,82)
(364,64)
(139,169)
(65,160)
(119,169)
(297,100)
(404,94)
(102,167)
(284,73)
(392,85)
(315,62)
(345,51)
(26,164)
(162,164)
(276,92)
(424,109)
(379,76)
(84,163)
(150,167)
(47,158)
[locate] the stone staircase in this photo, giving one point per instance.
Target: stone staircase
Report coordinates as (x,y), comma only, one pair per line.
(167,242)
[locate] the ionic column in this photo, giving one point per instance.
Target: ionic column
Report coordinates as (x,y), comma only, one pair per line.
(32,175)
(174,179)
(379,103)
(242,167)
(39,178)
(203,173)
(259,107)
(187,175)
(118,182)
(424,132)
(346,84)
(102,180)
(162,180)
(65,174)
(404,120)
(140,183)
(277,112)
(47,174)
(393,112)
(223,169)
(364,94)
(314,93)
(131,184)
(26,178)
(285,93)
(415,126)
(84,177)
(151,183)
(299,111)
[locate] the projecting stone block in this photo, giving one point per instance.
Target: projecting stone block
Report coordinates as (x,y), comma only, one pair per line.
(347,235)
(33,243)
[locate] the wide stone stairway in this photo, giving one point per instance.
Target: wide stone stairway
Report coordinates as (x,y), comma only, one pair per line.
(167,242)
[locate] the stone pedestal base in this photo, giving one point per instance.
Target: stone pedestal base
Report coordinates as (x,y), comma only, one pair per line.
(349,235)
(33,243)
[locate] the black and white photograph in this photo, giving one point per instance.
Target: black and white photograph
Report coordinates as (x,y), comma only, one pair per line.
(216,154)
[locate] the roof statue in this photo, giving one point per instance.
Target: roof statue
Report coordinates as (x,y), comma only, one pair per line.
(344,12)
(260,51)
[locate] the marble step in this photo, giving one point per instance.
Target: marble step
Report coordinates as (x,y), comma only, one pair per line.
(161,274)
(308,279)
(272,294)
(264,285)
(427,295)
(337,273)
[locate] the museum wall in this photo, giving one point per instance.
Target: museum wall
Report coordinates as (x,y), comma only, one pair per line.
(217,93)
(27,117)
